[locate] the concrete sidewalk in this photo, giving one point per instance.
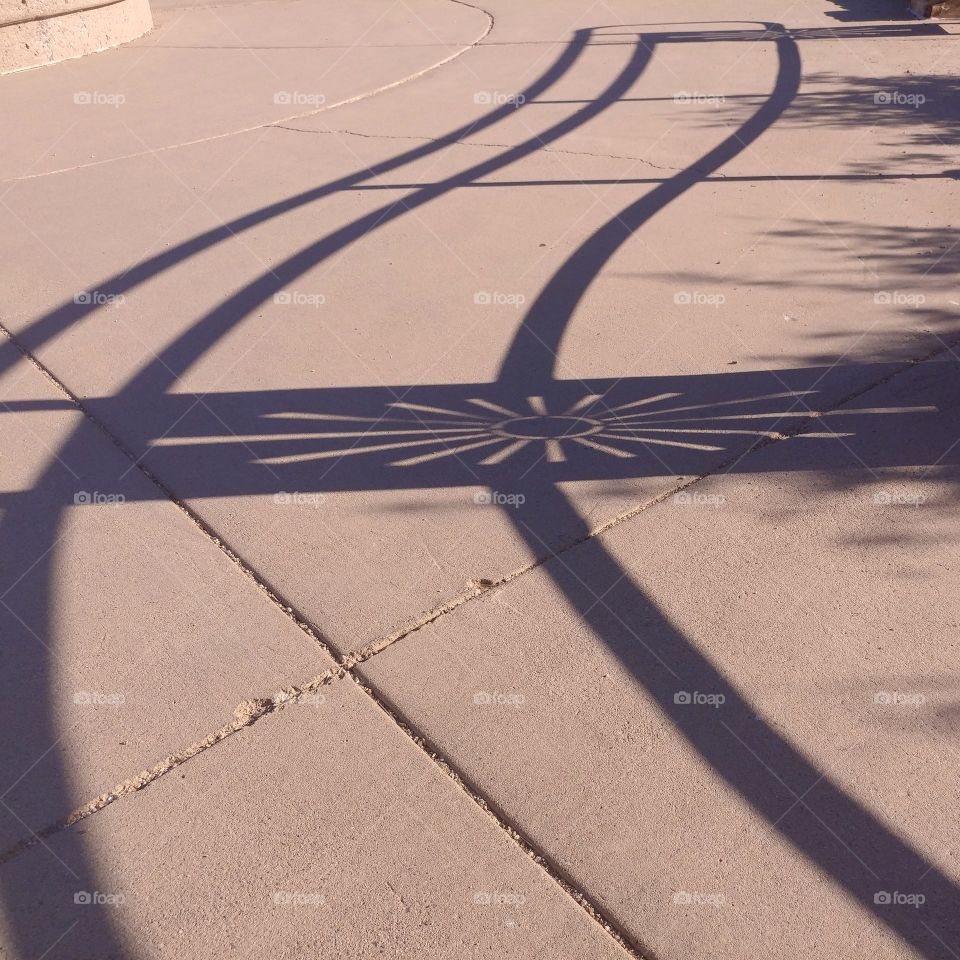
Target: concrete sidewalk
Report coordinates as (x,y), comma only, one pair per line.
(480,481)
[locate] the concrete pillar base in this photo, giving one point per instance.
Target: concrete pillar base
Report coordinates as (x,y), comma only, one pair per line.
(36,32)
(935,8)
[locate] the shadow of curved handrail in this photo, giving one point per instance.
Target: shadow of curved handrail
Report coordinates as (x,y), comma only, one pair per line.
(796,798)
(747,753)
(176,358)
(35,525)
(531,360)
(535,346)
(68,314)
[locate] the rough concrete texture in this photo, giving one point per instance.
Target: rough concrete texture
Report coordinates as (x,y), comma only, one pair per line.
(343,842)
(935,8)
(579,382)
(154,636)
(238,66)
(825,612)
(40,32)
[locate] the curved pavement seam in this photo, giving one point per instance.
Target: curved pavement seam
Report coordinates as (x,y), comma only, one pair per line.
(296,116)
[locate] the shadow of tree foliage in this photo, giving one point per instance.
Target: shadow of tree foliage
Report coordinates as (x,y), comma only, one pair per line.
(902,275)
(919,109)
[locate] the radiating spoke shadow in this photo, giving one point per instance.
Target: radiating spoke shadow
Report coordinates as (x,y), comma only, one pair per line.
(529,427)
(421,436)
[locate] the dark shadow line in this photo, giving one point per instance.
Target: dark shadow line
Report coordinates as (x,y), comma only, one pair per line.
(19,529)
(32,521)
(627,181)
(52,324)
(898,30)
(531,358)
(61,318)
(375,46)
(795,798)
(175,359)
(725,96)
(28,533)
(532,354)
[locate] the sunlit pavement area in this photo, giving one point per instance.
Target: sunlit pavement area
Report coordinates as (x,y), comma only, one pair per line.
(480,480)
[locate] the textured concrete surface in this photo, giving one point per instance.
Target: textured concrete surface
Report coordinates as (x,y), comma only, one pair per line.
(206,71)
(364,850)
(41,32)
(580,382)
(828,603)
(117,612)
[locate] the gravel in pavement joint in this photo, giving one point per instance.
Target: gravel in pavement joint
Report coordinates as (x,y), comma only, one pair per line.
(250,711)
(244,715)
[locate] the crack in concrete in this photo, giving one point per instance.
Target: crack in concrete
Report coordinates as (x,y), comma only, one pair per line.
(296,116)
(475,143)
(245,714)
(250,711)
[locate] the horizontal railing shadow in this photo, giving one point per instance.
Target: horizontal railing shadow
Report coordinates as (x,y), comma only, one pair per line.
(455,435)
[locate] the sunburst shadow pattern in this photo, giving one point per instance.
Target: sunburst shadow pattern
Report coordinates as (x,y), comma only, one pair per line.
(499,432)
(436,435)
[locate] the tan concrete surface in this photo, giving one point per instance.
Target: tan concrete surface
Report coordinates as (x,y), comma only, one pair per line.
(799,288)
(426,377)
(41,32)
(828,602)
(127,634)
(366,850)
(210,70)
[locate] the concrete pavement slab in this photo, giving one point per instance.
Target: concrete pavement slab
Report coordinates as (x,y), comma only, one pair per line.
(397,353)
(127,633)
(208,70)
(715,675)
(303,326)
(321,830)
(703,79)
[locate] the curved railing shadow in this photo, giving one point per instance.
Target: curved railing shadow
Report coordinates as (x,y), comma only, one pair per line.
(68,314)
(30,532)
(748,752)
(757,762)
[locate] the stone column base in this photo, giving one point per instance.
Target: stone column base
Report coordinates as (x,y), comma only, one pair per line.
(935,8)
(35,32)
